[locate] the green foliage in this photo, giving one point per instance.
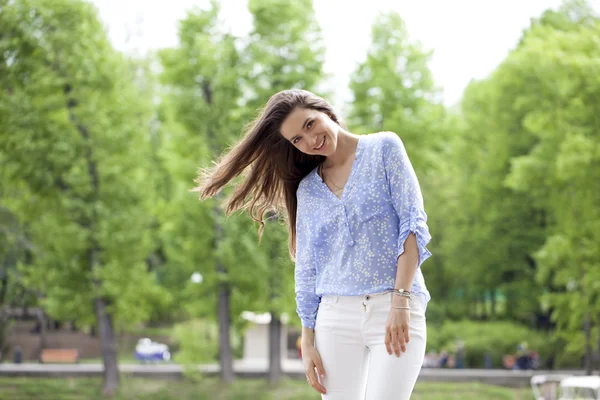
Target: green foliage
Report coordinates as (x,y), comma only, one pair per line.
(195,342)
(285,50)
(567,149)
(197,116)
(74,146)
(394,91)
(524,215)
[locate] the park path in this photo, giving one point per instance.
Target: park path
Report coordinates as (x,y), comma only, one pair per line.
(258,368)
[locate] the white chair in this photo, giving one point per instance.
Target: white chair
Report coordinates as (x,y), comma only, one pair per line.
(580,387)
(545,387)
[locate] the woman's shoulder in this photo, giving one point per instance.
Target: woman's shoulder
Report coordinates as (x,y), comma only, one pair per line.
(384,140)
(386,137)
(305,183)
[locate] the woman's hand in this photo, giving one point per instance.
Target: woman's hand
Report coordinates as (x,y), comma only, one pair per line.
(312,361)
(396,328)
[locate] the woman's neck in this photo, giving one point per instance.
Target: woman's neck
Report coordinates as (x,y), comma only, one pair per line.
(345,148)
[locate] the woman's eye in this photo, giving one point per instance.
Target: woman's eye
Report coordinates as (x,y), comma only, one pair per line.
(296,140)
(309,125)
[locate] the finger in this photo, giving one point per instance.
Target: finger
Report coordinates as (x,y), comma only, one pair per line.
(406,333)
(312,380)
(388,341)
(319,388)
(401,342)
(319,367)
(395,342)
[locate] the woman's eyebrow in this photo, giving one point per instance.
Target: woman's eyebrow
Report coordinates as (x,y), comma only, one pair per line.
(305,122)
(303,126)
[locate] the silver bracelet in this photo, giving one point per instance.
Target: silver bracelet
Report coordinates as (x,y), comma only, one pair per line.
(401,308)
(402,292)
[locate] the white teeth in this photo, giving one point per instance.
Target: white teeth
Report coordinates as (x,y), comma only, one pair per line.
(322,143)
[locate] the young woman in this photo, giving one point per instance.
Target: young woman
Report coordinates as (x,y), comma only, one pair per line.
(357,231)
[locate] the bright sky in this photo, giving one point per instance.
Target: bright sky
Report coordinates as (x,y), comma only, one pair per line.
(469,37)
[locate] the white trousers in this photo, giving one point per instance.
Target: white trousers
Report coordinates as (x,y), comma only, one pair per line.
(350,337)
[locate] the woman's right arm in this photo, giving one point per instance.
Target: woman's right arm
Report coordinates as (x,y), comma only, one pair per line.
(307,300)
(305,272)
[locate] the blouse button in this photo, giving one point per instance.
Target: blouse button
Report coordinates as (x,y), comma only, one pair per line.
(351,243)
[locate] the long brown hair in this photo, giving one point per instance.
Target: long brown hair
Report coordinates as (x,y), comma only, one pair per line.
(276,167)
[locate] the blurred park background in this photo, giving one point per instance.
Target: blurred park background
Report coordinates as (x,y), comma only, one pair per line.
(102,132)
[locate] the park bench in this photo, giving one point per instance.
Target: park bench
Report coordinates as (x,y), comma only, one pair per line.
(59,356)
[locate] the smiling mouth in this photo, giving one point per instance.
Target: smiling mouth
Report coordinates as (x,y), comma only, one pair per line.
(321,145)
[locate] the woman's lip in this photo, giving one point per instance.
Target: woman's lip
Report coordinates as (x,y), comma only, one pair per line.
(323,145)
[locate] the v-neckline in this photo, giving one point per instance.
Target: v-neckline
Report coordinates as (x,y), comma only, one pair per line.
(350,182)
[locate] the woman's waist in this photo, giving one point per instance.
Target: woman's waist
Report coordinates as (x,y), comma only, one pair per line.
(357,283)
(385,291)
(377,299)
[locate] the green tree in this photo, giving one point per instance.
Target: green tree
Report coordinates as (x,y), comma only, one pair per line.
(491,229)
(561,170)
(526,198)
(393,89)
(285,50)
(200,117)
(74,145)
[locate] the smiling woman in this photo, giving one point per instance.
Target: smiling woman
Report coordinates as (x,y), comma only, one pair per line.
(358,233)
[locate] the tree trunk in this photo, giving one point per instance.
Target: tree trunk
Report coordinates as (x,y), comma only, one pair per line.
(3,314)
(598,348)
(225,353)
(471,308)
(108,347)
(3,286)
(106,334)
(509,305)
(108,343)
(588,344)
(43,329)
(493,301)
(484,307)
(3,330)
(275,370)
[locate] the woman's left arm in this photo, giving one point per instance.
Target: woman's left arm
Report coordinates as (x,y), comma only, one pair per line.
(413,235)
(397,326)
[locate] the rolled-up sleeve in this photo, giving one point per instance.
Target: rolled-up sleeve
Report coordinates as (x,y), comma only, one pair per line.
(307,300)
(406,196)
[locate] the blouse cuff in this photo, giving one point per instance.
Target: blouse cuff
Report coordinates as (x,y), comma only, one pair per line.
(415,223)
(308,322)
(308,304)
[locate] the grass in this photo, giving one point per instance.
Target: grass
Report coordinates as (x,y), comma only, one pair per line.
(211,389)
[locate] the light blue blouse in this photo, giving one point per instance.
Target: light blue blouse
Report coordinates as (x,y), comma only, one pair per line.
(350,246)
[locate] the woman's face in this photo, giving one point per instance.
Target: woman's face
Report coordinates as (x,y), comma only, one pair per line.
(311,131)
